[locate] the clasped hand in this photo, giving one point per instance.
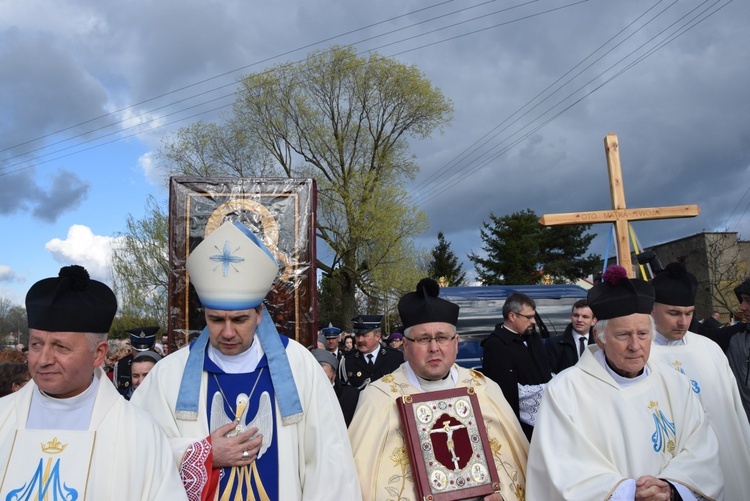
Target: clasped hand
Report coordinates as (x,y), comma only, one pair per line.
(652,489)
(228,451)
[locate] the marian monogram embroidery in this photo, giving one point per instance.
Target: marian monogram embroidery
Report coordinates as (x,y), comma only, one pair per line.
(678,367)
(43,469)
(664,436)
(47,479)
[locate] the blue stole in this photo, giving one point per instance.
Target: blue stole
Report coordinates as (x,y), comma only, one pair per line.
(263,475)
(274,346)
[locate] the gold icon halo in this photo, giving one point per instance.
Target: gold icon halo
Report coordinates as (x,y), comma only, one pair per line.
(270,236)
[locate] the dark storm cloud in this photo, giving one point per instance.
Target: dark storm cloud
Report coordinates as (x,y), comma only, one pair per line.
(680,114)
(164,54)
(66,192)
(17,192)
(20,192)
(44,89)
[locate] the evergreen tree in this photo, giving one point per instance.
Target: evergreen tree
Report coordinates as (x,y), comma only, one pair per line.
(444,266)
(521,251)
(329,301)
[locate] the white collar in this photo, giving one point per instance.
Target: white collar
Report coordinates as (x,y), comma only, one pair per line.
(73,413)
(662,340)
(374,353)
(427,385)
(509,329)
(70,402)
(622,382)
(247,361)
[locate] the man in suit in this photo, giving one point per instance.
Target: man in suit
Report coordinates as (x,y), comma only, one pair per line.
(738,349)
(713,321)
(564,351)
(368,362)
(515,358)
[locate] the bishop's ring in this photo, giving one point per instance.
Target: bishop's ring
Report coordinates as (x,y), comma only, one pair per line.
(245,455)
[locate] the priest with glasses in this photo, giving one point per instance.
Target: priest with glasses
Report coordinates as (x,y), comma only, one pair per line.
(430,351)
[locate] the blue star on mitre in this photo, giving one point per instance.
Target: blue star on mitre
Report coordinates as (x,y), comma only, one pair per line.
(226,258)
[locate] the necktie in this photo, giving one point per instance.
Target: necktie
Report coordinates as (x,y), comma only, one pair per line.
(369,360)
(582,345)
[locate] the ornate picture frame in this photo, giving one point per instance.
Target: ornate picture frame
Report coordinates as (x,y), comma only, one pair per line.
(280,211)
(448,446)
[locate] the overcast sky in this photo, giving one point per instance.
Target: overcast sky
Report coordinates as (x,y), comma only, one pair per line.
(88,90)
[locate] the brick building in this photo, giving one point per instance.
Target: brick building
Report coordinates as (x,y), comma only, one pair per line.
(719,260)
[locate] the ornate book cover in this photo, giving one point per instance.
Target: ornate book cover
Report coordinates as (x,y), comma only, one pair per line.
(448,446)
(281,212)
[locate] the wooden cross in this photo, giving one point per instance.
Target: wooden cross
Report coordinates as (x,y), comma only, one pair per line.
(619,214)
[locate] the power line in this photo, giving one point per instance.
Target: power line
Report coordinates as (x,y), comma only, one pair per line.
(221,75)
(463,173)
(6,169)
(488,136)
(443,184)
(148,112)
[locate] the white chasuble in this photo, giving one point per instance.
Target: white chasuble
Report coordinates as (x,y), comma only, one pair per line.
(48,464)
(314,455)
(591,435)
(129,459)
(701,360)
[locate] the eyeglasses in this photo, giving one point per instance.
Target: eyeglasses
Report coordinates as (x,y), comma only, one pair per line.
(426,340)
(527,317)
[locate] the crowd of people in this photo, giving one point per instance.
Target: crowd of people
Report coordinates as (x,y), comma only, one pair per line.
(634,401)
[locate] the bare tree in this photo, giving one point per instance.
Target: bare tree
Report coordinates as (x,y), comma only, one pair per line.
(726,269)
(13,322)
(141,267)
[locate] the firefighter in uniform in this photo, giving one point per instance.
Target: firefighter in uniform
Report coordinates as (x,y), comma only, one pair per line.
(141,339)
(332,337)
(369,361)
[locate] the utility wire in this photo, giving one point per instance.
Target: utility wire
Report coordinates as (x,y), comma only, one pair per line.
(5,170)
(484,140)
(232,84)
(464,172)
(443,184)
(221,75)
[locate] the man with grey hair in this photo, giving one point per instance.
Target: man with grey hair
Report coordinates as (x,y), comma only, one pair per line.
(94,444)
(515,358)
(368,362)
(630,428)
